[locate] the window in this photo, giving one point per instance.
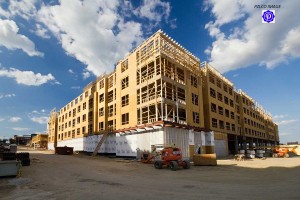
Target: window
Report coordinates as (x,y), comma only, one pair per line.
(74,112)
(212,93)
(231,103)
(101,126)
(227,113)
(70,123)
(90,117)
(78,109)
(86,94)
(81,97)
(213,107)
(73,124)
(124,65)
(76,101)
(230,91)
(225,88)
(110,111)
(232,115)
(214,123)
(70,114)
(101,98)
(125,82)
(227,126)
(101,84)
(101,112)
(125,100)
(194,81)
(232,127)
(221,123)
(220,97)
(211,78)
(78,120)
(90,129)
(84,106)
(110,96)
(78,131)
(220,110)
(195,99)
(73,133)
(83,130)
(219,83)
(196,117)
(84,117)
(125,118)
(69,133)
(226,100)
(91,103)
(71,103)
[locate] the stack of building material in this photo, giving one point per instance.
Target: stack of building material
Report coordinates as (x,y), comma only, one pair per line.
(250,154)
(64,150)
(259,153)
(205,159)
(23,157)
(9,166)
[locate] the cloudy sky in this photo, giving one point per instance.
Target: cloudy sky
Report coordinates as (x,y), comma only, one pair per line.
(49,50)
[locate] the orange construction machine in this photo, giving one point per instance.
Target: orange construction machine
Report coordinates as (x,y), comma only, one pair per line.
(283,152)
(172,158)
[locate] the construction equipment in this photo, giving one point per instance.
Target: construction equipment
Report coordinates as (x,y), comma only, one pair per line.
(283,152)
(104,136)
(171,157)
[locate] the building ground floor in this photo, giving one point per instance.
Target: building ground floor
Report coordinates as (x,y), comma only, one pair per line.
(131,142)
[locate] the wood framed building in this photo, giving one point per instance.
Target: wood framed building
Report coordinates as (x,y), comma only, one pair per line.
(157,87)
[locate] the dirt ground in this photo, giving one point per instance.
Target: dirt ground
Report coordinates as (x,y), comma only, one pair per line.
(83,177)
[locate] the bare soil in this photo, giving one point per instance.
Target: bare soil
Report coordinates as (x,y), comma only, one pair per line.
(83,177)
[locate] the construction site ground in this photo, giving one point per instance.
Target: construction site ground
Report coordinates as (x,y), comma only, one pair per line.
(80,176)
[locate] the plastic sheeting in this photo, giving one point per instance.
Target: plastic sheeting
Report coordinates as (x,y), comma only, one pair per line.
(50,146)
(109,145)
(77,144)
(128,145)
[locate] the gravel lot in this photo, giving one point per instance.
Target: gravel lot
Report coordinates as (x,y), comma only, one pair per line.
(83,177)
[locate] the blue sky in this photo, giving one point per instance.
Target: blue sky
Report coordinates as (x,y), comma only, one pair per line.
(50,50)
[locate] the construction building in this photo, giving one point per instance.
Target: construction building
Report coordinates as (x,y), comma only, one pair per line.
(158,94)
(40,140)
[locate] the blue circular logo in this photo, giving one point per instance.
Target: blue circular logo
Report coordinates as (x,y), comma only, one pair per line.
(268,16)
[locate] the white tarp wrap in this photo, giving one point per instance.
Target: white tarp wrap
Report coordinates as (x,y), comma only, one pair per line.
(109,145)
(191,137)
(178,137)
(77,144)
(50,146)
(127,145)
(207,138)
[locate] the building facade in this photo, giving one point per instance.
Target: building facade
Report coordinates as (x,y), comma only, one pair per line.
(161,88)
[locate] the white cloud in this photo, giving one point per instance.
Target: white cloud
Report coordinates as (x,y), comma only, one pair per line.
(41,31)
(20,129)
(43,110)
(251,42)
(2,119)
(40,120)
(286,122)
(154,10)
(6,96)
(86,75)
(75,87)
(276,117)
(100,33)
(24,8)
(71,71)
(10,38)
(27,77)
(15,119)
